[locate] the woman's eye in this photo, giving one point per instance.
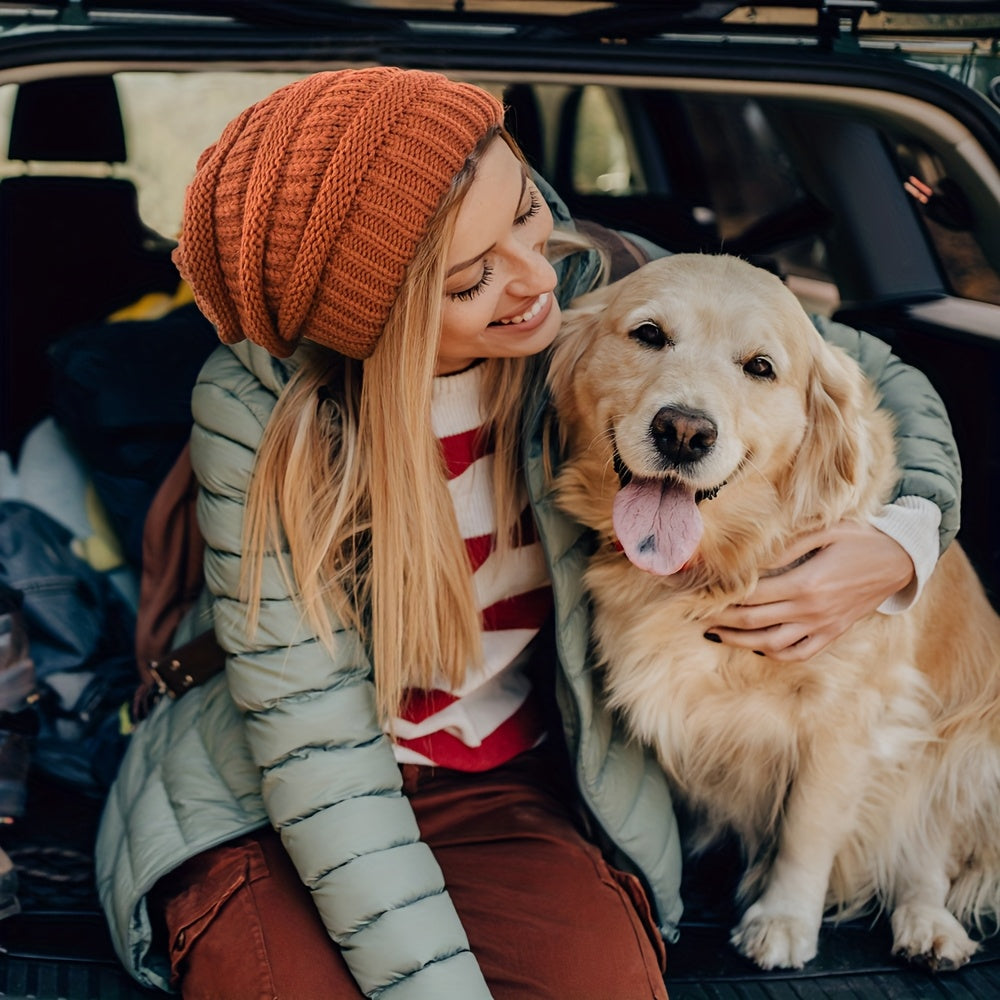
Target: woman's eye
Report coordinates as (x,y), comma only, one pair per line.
(533,208)
(649,334)
(759,367)
(469,293)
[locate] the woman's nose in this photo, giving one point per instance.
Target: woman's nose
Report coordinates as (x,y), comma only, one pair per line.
(532,272)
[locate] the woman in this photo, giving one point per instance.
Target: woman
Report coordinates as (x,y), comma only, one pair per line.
(404,681)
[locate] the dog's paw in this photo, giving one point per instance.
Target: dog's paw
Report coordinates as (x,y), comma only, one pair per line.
(775,940)
(929,935)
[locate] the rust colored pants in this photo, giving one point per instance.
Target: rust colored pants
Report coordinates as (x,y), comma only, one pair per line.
(546,916)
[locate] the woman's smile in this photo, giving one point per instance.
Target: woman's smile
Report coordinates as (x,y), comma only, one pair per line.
(538,310)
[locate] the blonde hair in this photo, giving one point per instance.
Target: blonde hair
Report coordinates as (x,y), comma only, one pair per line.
(349,486)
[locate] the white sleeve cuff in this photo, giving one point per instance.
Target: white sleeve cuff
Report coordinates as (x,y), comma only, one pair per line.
(913,522)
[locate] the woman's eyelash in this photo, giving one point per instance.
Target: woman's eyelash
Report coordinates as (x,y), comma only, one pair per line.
(469,293)
(533,208)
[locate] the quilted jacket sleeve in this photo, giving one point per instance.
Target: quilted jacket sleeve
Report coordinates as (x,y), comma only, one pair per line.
(329,778)
(925,448)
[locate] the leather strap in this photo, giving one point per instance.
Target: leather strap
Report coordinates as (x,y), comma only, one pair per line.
(189,665)
(623,256)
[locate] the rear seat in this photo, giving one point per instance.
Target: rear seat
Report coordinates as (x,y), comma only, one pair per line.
(74,247)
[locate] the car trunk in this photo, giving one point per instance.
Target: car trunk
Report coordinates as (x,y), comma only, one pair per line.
(851,91)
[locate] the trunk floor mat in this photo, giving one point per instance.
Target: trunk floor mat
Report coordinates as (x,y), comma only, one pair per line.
(58,947)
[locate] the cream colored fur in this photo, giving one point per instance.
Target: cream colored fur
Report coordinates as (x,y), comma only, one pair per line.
(868,776)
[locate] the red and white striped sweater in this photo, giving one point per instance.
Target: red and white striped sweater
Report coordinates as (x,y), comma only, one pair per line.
(494,715)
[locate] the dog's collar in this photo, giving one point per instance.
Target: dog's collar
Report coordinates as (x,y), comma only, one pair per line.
(625,475)
(695,559)
(784,569)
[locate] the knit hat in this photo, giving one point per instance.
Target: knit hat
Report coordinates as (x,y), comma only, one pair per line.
(302,219)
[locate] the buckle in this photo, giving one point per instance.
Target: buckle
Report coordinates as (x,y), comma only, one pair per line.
(170,678)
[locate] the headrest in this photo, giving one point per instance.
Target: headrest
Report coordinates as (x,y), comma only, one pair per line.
(69,118)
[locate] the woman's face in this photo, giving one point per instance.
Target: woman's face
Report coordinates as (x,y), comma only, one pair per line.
(498,300)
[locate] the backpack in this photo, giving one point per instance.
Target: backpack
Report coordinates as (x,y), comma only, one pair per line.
(80,631)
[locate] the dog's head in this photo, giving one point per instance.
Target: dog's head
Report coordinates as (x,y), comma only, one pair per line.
(699,407)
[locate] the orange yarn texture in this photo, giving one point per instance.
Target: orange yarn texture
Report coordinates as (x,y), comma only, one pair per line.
(302,219)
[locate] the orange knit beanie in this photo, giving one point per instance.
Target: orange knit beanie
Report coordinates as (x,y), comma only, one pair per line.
(302,219)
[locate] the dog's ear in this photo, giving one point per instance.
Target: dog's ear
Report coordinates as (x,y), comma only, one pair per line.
(580,325)
(827,469)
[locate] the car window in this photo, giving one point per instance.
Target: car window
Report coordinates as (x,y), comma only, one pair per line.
(752,184)
(726,159)
(715,161)
(603,160)
(169,119)
(950,220)
(714,158)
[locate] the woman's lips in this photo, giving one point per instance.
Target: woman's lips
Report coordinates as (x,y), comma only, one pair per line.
(532,316)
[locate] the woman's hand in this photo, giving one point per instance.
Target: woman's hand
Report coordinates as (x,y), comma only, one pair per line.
(799,611)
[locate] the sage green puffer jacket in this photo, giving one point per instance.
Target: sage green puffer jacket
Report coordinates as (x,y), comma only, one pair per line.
(289,736)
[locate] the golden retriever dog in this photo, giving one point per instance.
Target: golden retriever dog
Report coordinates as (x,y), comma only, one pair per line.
(706,425)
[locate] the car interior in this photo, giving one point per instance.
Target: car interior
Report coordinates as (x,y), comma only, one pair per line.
(76,240)
(754,171)
(877,209)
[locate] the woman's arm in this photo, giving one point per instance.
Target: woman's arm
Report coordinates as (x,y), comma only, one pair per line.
(861,568)
(330,782)
(795,614)
(925,448)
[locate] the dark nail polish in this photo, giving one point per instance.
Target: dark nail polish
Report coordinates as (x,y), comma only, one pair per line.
(712,637)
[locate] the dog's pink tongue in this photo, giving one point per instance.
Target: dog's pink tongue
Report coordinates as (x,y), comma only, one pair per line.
(657,524)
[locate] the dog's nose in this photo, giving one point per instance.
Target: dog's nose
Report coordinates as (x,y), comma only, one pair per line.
(681,435)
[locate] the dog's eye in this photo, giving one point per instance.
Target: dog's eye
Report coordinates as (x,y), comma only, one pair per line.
(759,367)
(650,335)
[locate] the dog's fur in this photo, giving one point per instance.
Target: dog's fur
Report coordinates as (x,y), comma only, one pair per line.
(868,776)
